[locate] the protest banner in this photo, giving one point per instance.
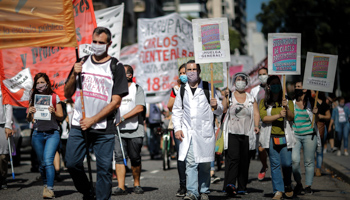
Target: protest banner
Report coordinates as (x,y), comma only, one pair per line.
(18,66)
(319,73)
(284,51)
(129,55)
(162,41)
(219,71)
(111,18)
(211,40)
(34,23)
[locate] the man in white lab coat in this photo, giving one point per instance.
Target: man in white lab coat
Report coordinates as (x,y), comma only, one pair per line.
(193,119)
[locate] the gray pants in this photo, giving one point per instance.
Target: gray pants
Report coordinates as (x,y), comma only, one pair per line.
(4,151)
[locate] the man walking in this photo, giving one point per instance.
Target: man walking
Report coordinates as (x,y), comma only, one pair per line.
(193,120)
(132,131)
(104,84)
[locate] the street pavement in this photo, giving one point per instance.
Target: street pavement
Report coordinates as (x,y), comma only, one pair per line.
(160,184)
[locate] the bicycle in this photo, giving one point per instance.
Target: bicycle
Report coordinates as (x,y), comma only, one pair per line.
(166,149)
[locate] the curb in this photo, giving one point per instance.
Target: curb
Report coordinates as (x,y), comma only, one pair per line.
(337,169)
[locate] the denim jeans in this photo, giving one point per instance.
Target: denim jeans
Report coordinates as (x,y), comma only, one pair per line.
(181,165)
(45,145)
(319,149)
(280,157)
(309,144)
(344,127)
(197,174)
(153,141)
(103,146)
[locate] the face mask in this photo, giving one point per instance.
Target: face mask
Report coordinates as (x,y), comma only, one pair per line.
(41,87)
(341,104)
(98,49)
(192,77)
(298,92)
(129,79)
(275,88)
(263,78)
(240,85)
(183,78)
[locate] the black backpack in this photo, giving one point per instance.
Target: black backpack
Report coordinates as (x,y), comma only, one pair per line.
(205,88)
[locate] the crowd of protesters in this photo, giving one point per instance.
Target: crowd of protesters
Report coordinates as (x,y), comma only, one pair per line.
(262,120)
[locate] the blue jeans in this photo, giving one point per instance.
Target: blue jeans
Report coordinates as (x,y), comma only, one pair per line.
(103,146)
(181,165)
(280,157)
(197,174)
(344,132)
(153,141)
(45,145)
(309,143)
(319,149)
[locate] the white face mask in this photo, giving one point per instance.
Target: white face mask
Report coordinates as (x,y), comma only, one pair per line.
(240,85)
(263,78)
(98,49)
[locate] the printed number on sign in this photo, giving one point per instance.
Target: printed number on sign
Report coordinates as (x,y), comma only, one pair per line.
(153,85)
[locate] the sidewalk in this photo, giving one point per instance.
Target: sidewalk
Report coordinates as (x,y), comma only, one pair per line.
(339,165)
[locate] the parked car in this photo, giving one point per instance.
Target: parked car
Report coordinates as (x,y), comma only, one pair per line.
(22,135)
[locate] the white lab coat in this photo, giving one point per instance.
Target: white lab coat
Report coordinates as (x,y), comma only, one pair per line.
(254,92)
(195,119)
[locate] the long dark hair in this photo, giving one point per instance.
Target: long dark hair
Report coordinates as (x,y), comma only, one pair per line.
(34,91)
(268,93)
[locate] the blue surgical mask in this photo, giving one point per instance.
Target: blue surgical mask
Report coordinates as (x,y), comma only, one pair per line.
(275,88)
(183,78)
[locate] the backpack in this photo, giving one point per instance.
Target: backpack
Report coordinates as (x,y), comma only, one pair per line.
(205,88)
(155,114)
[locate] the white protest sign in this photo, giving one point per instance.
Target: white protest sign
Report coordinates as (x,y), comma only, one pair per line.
(22,80)
(162,41)
(284,53)
(320,71)
(211,40)
(111,18)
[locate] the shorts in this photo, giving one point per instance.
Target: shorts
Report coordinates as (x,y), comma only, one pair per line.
(132,149)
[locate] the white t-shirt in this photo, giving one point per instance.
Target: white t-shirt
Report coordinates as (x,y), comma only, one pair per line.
(342,117)
(240,117)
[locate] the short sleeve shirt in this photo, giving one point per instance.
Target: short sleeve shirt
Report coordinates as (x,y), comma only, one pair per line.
(140,131)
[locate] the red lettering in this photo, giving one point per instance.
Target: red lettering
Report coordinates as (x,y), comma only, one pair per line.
(165,55)
(184,53)
(166,42)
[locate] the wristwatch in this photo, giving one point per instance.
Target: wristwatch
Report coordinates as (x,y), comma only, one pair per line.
(122,119)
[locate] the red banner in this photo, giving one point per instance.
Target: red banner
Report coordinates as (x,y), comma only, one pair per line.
(19,66)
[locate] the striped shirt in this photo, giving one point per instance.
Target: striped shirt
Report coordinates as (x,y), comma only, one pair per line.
(302,122)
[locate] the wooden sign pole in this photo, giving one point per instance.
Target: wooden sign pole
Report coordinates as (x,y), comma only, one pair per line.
(315,106)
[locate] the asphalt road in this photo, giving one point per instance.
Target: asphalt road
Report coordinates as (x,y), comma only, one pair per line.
(159,184)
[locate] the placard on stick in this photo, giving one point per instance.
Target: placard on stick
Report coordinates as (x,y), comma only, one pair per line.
(284,53)
(320,71)
(211,40)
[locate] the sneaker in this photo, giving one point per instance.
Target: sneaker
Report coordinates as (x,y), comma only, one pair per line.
(181,192)
(3,186)
(230,190)
(93,157)
(298,189)
(190,197)
(334,149)
(48,194)
(318,172)
(242,192)
(262,174)
(204,196)
(346,153)
(119,191)
(288,191)
(214,179)
(324,151)
(85,159)
(278,195)
(138,190)
(308,190)
(338,153)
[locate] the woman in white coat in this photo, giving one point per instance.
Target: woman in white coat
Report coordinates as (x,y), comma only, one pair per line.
(240,126)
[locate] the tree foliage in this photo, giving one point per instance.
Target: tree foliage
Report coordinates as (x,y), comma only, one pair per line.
(323,24)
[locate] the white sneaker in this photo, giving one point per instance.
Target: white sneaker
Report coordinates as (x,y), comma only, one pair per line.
(324,151)
(93,157)
(346,153)
(338,153)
